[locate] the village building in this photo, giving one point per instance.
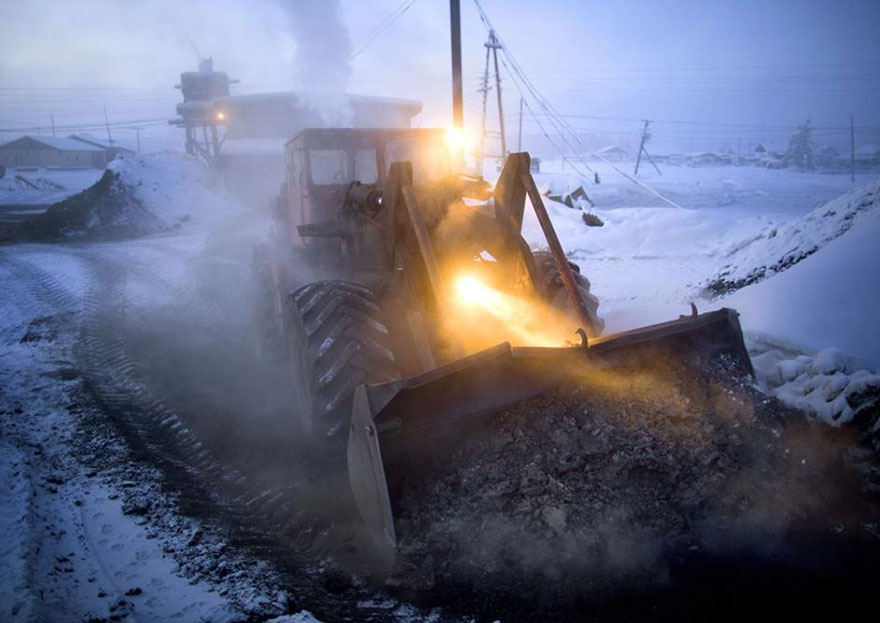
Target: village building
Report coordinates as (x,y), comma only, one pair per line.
(43,151)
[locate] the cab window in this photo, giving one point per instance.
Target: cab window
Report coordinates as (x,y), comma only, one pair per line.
(329,166)
(366,166)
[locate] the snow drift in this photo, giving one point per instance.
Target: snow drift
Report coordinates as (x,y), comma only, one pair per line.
(136,196)
(820,298)
(778,248)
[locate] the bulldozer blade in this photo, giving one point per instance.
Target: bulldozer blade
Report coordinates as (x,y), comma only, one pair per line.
(397,426)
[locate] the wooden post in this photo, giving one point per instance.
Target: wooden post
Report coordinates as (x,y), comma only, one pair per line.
(52,118)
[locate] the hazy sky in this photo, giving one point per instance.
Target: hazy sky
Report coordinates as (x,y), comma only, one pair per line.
(746,63)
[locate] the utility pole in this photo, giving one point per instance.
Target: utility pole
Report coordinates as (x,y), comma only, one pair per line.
(107,125)
(492,47)
(519,134)
(852,150)
(137,132)
(52,119)
(457,101)
(645,136)
(484,89)
(493,41)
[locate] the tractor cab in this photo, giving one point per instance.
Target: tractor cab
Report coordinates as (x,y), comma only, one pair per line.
(322,164)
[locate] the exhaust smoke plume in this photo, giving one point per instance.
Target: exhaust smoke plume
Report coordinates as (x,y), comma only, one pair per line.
(322,63)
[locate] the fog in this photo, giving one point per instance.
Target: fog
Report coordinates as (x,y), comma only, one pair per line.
(705,72)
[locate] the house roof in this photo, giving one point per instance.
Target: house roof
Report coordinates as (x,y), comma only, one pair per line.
(90,140)
(414,106)
(611,149)
(61,144)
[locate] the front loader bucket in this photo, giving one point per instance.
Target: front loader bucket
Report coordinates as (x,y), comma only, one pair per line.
(396,426)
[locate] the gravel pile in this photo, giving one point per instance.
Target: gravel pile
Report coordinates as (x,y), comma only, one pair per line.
(605,481)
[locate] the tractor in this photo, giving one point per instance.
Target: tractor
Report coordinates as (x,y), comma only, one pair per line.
(406,305)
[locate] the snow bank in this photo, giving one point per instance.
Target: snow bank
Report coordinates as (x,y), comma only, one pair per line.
(172,187)
(779,247)
(136,196)
(830,385)
(825,304)
(44,186)
(830,299)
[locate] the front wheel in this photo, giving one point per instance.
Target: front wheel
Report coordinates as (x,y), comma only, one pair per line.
(338,340)
(553,288)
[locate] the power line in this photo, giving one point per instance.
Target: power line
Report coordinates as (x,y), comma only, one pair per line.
(553,114)
(89,126)
(383,25)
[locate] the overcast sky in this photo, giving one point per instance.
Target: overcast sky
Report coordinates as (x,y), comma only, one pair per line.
(746,63)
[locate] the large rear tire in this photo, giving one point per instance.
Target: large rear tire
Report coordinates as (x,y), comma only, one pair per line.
(338,340)
(553,288)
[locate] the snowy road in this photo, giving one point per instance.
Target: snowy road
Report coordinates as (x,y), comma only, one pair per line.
(129,427)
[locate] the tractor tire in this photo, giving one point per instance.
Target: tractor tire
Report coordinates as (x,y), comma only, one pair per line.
(337,340)
(553,288)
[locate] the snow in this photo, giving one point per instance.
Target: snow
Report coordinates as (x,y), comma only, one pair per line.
(53,185)
(778,247)
(806,242)
(300,617)
(172,187)
(15,524)
(71,550)
(828,299)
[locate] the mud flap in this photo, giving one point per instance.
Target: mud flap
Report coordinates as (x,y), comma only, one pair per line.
(417,415)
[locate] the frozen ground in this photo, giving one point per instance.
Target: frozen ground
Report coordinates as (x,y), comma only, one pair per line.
(121,368)
(103,345)
(749,228)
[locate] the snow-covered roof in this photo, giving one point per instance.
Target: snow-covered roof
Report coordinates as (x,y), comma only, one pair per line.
(611,149)
(90,140)
(867,150)
(61,144)
(361,99)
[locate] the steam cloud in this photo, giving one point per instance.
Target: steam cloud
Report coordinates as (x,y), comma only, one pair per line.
(322,64)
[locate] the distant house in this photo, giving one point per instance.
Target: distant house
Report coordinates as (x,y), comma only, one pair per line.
(41,151)
(109,148)
(612,153)
(868,155)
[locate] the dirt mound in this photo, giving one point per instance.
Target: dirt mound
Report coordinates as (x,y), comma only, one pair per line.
(607,485)
(108,209)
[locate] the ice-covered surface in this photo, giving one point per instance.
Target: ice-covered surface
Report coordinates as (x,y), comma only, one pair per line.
(74,548)
(52,185)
